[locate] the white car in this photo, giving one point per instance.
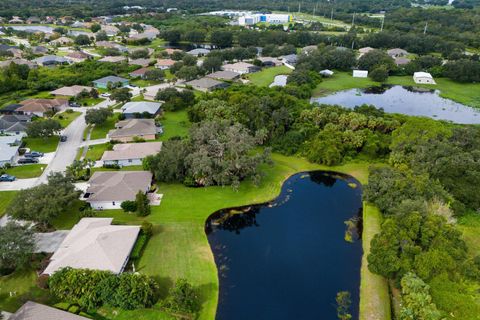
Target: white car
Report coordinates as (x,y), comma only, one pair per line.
(105,95)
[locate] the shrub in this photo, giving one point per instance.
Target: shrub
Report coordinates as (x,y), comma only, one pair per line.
(129,206)
(138,248)
(182,297)
(147,228)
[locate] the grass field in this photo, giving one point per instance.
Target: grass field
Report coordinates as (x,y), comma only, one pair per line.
(265,77)
(5,199)
(95,152)
(26,171)
(42,144)
(465,93)
(174,124)
(374,294)
(470,227)
(65,118)
(100,131)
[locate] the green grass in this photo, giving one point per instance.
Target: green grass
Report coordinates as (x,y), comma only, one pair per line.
(90,101)
(265,77)
(95,152)
(65,118)
(469,225)
(144,83)
(374,294)
(5,198)
(42,144)
(174,124)
(26,171)
(100,131)
(465,93)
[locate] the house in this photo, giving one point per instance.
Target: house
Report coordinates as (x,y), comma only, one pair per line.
(423,78)
(11,109)
(110,30)
(14,123)
(94,243)
(326,73)
(206,84)
(9,145)
(103,82)
(289,60)
(36,311)
(113,59)
(108,189)
(50,60)
(140,62)
(77,56)
(397,53)
(33,20)
(39,50)
(16,20)
(270,61)
(199,52)
(240,67)
(170,51)
(164,64)
(365,50)
(141,36)
(139,73)
(131,129)
(151,91)
(72,91)
(6,63)
(224,75)
(309,49)
(62,41)
(39,107)
(112,45)
(130,154)
(360,73)
(401,61)
(136,109)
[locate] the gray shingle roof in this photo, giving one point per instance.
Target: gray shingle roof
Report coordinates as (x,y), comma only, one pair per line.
(36,311)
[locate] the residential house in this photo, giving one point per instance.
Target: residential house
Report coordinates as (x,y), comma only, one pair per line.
(110,44)
(224,75)
(39,107)
(94,243)
(309,49)
(401,61)
(397,53)
(16,20)
(141,36)
(170,51)
(39,50)
(77,56)
(240,67)
(151,91)
(11,109)
(72,91)
(14,123)
(36,311)
(131,129)
(139,73)
(30,64)
(207,84)
(137,109)
(423,78)
(140,62)
(110,30)
(289,60)
(360,73)
(103,82)
(270,61)
(108,189)
(130,154)
(33,20)
(164,64)
(326,73)
(113,59)
(62,41)
(365,50)
(50,60)
(9,145)
(199,52)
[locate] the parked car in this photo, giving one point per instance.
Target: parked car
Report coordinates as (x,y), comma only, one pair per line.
(63,138)
(27,160)
(74,105)
(105,95)
(33,154)
(7,177)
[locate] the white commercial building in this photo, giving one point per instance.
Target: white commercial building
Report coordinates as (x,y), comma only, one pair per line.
(272,18)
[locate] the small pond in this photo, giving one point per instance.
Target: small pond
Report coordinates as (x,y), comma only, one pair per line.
(279,81)
(44,29)
(288,259)
(405,100)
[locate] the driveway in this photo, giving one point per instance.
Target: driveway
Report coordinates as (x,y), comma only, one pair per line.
(18,184)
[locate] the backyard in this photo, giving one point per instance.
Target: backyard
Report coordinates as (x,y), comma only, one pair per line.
(265,77)
(100,131)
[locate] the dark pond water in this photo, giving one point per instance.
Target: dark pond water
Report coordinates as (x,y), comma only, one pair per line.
(398,99)
(288,259)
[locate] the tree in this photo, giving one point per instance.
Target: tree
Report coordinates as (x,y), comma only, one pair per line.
(121,95)
(172,36)
(174,99)
(97,116)
(211,64)
(43,128)
(417,302)
(95,27)
(140,53)
(195,36)
(101,36)
(222,38)
(82,40)
(379,74)
(169,165)
(344,302)
(80,169)
(182,297)
(143,204)
(188,72)
(16,247)
(372,59)
(44,202)
(155,75)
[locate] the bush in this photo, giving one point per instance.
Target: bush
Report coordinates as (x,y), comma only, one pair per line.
(147,228)
(182,298)
(129,206)
(138,248)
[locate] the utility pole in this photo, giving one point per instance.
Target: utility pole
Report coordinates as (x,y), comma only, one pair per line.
(383,21)
(331,14)
(299,6)
(353,19)
(425,29)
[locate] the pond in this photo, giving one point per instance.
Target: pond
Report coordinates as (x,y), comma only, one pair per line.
(287,259)
(44,29)
(405,100)
(279,81)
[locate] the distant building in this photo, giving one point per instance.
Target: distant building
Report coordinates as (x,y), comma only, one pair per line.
(207,84)
(50,61)
(77,56)
(198,52)
(326,73)
(423,78)
(360,73)
(103,82)
(139,73)
(224,75)
(397,53)
(140,62)
(240,67)
(401,61)
(113,59)
(267,18)
(270,61)
(164,64)
(62,41)
(135,109)
(130,129)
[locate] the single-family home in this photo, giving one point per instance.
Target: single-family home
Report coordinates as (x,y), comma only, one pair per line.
(309,49)
(16,20)
(36,311)
(30,64)
(103,82)
(240,67)
(94,243)
(326,73)
(33,20)
(140,62)
(401,61)
(39,50)
(9,145)
(11,109)
(130,129)
(108,189)
(199,52)
(130,154)
(397,53)
(207,84)
(71,91)
(39,107)
(139,73)
(151,91)
(270,61)
(289,60)
(14,123)
(113,59)
(360,73)
(365,50)
(77,56)
(137,109)
(423,78)
(62,41)
(110,30)
(224,75)
(50,60)
(170,51)
(164,64)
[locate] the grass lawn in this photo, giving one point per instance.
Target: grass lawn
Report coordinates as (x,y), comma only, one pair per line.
(265,77)
(26,171)
(42,144)
(469,225)
(144,83)
(95,152)
(174,124)
(5,198)
(65,118)
(374,294)
(100,132)
(90,101)
(465,93)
